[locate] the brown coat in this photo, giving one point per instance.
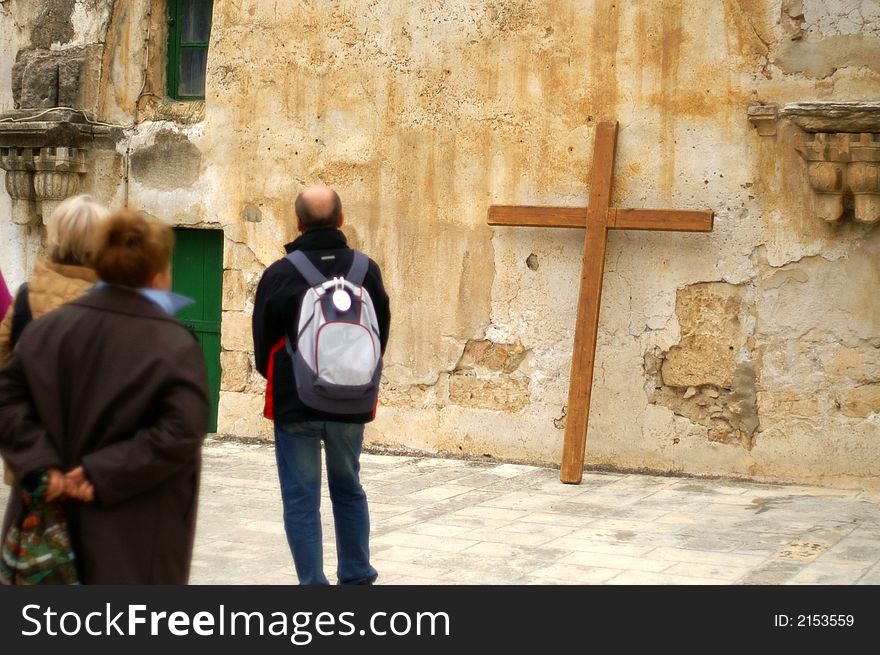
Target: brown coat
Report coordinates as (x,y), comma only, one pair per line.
(51,285)
(112,382)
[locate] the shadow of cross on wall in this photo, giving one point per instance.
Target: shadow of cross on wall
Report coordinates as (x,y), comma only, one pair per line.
(598,217)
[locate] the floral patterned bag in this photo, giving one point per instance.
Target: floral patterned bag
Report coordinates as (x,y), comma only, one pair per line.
(37,547)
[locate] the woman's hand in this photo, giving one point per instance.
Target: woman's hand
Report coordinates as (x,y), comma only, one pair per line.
(77,485)
(56,485)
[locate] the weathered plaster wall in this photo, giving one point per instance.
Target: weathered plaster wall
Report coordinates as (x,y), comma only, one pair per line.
(748,352)
(745,352)
(424,114)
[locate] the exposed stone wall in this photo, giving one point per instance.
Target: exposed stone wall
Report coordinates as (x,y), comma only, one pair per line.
(709,377)
(750,351)
(64,53)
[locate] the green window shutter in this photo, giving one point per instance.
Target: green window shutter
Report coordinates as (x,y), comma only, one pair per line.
(197,269)
(189,30)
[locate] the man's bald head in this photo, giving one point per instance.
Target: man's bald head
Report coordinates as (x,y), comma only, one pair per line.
(318,207)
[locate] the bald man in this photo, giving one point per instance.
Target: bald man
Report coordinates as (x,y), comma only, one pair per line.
(299,429)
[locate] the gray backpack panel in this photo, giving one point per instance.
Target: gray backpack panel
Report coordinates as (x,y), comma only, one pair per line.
(337,362)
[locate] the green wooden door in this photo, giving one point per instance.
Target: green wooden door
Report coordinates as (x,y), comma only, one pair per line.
(197,268)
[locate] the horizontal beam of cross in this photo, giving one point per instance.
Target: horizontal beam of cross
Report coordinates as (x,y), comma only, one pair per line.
(666,220)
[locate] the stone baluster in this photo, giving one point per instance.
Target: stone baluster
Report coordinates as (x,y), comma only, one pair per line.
(57,176)
(826,180)
(19,166)
(826,177)
(863,177)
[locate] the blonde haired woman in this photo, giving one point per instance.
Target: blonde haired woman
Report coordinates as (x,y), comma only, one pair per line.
(64,277)
(68,272)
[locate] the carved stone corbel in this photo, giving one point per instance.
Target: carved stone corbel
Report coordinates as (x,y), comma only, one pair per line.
(764,118)
(843,165)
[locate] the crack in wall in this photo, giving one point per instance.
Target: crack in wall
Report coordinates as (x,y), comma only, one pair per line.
(487,375)
(746,22)
(755,31)
(792,12)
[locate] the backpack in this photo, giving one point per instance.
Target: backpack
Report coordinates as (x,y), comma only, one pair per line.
(337,362)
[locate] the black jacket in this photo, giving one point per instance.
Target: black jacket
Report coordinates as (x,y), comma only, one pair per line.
(276,315)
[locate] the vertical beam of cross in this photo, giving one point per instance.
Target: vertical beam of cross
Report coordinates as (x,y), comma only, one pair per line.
(589,298)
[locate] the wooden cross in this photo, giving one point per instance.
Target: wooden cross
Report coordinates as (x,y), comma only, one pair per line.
(597,218)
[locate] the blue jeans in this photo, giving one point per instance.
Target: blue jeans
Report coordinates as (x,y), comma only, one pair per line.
(298,453)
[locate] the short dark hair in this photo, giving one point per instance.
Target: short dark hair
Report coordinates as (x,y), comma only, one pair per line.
(131,249)
(314,221)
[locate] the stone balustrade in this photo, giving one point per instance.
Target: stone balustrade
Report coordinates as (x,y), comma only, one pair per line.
(840,143)
(839,165)
(45,156)
(38,179)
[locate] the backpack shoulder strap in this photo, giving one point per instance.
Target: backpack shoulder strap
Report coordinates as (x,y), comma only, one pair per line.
(21,314)
(358,270)
(306,268)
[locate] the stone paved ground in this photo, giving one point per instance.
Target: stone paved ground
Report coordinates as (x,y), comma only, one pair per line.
(442,521)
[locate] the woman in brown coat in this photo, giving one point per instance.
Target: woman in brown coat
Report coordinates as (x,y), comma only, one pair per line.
(112,389)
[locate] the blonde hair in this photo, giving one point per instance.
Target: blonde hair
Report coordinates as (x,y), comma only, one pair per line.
(71,230)
(130,249)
